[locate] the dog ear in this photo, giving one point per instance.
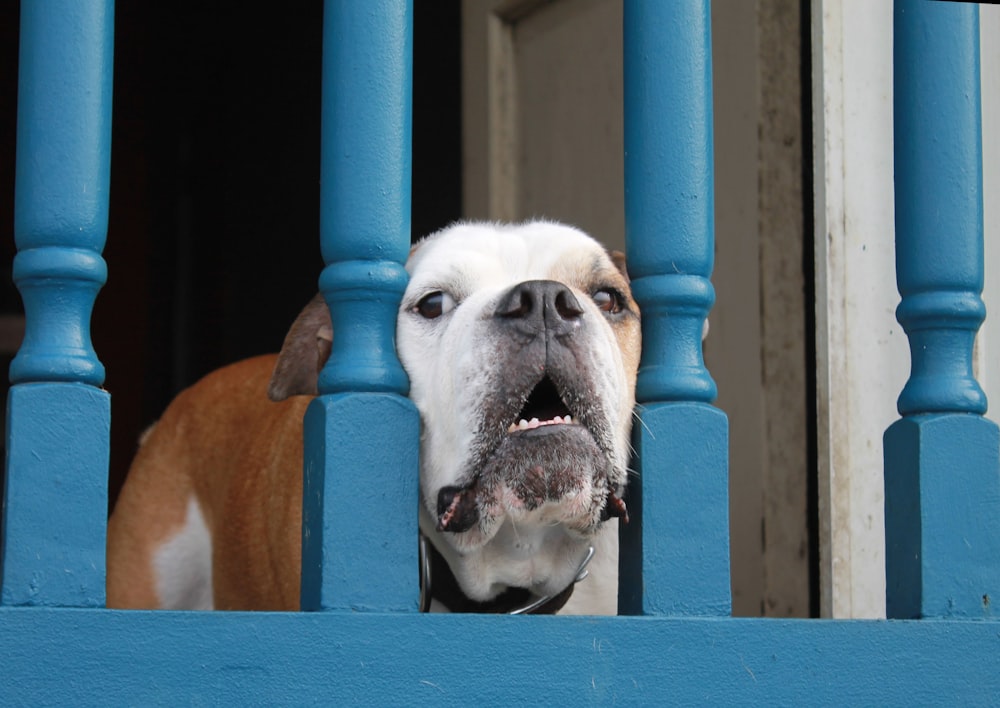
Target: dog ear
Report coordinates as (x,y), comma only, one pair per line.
(303,354)
(618,258)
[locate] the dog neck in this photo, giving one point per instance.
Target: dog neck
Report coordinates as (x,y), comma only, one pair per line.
(437,582)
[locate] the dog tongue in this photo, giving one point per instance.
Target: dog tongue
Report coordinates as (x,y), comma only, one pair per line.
(457,510)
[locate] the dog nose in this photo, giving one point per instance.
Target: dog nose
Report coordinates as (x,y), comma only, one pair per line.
(536,305)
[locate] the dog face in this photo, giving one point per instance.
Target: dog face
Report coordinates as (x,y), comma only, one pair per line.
(521,344)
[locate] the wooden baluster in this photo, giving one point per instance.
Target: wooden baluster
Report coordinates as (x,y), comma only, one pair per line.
(58,418)
(675,555)
(360,509)
(942,484)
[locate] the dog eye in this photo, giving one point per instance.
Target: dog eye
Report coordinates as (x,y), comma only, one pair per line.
(435,304)
(609,300)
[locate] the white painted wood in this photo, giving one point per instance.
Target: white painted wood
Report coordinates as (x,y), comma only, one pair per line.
(862,351)
(863,357)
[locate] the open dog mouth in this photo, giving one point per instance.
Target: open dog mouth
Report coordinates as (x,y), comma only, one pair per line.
(536,468)
(543,407)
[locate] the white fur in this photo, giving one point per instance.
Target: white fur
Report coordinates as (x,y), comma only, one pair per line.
(183,565)
(449,360)
(597,594)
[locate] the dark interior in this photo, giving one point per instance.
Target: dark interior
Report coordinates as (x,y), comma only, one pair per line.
(213,243)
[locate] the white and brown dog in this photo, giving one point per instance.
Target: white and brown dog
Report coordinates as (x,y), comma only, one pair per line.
(521,344)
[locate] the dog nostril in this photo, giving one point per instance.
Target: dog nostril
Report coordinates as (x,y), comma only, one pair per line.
(519,305)
(567,305)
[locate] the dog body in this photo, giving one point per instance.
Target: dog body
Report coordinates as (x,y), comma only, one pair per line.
(521,344)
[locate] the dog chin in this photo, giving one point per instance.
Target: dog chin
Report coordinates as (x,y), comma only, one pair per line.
(552,474)
(544,558)
(557,474)
(537,498)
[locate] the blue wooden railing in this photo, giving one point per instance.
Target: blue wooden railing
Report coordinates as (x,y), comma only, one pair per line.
(364,641)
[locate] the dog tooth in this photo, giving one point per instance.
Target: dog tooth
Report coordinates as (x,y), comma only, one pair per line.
(567,420)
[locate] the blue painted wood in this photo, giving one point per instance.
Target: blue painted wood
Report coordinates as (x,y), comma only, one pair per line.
(55,499)
(669,196)
(360,504)
(939,209)
(360,515)
(683,547)
(363,296)
(942,497)
(942,487)
(81,657)
(675,553)
(62,176)
(56,495)
(365,172)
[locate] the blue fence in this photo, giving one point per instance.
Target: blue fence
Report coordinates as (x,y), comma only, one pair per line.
(366,643)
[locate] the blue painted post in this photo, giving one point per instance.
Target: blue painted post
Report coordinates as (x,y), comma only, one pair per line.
(942,484)
(359,548)
(675,560)
(58,420)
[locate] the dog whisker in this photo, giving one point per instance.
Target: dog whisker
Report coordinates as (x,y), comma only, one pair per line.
(636,414)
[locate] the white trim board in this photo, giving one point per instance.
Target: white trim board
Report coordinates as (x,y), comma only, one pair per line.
(862,352)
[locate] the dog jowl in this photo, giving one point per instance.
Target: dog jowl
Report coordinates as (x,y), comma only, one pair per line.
(521,343)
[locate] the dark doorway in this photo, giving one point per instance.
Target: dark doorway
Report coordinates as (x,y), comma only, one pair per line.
(213,244)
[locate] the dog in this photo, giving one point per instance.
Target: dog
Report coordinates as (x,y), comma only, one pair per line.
(522,345)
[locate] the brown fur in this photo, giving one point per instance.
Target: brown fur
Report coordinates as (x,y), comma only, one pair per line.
(251,449)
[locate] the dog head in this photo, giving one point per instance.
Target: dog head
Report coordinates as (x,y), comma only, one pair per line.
(521,343)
